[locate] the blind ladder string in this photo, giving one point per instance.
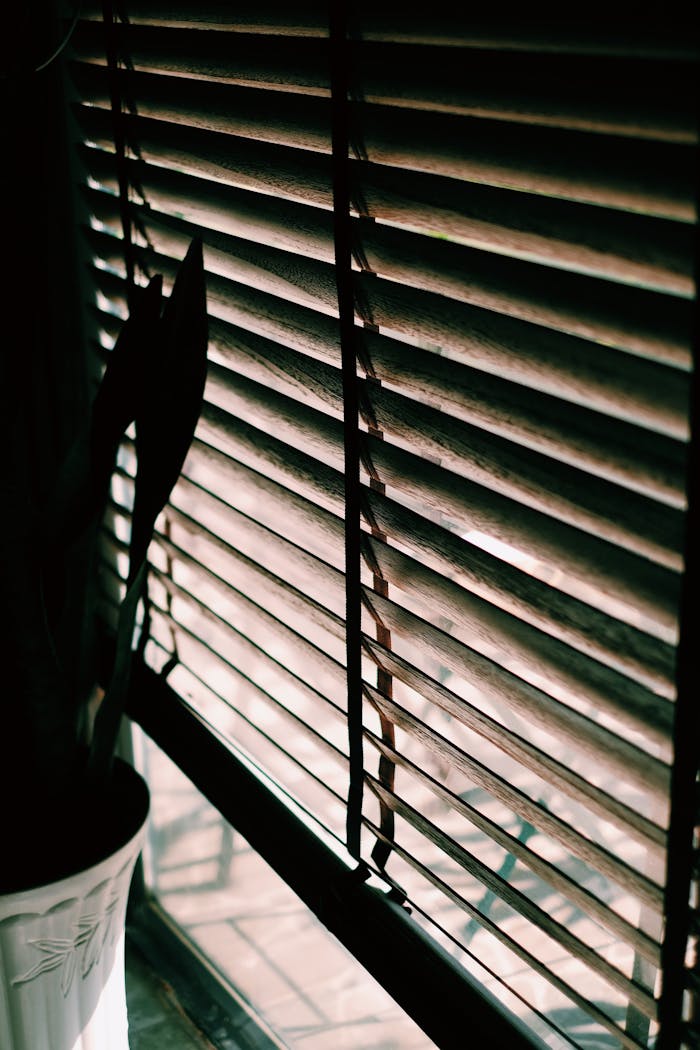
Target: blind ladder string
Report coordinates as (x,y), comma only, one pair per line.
(342,235)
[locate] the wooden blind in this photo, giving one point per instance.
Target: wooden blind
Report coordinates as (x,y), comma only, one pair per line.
(522,227)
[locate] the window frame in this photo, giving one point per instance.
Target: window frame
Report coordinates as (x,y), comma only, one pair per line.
(433,989)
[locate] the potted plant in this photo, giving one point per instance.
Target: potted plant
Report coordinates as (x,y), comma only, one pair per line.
(75,815)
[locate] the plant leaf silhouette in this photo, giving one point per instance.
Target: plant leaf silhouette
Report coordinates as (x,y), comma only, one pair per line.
(82,483)
(174,373)
(174,389)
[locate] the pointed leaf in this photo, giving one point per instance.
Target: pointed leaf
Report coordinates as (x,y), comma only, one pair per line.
(81,486)
(109,714)
(88,922)
(120,397)
(174,392)
(45,965)
(52,944)
(68,972)
(165,424)
(93,935)
(93,946)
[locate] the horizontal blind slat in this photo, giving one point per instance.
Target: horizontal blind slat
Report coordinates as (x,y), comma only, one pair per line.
(534,812)
(545,870)
(633,249)
(638,995)
(577,729)
(612,450)
(435,289)
(324,665)
(471,453)
(495,388)
(223,647)
(319,446)
(632,652)
(261,498)
(231,659)
(550,718)
(538,657)
(613,686)
(653,37)
(568,728)
(312,790)
(254,558)
(620,94)
(584,1003)
(607,507)
(630,96)
(628,175)
(253,618)
(606,576)
(417,531)
(583,500)
(259,60)
(375,502)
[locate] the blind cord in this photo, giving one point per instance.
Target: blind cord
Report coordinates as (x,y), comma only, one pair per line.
(346,310)
(119,142)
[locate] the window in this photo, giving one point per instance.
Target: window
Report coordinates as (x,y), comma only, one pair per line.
(424,591)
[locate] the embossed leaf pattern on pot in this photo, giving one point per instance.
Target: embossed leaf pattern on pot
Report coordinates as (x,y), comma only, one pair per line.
(57,951)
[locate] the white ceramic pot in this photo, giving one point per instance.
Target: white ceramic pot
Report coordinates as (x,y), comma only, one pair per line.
(62,957)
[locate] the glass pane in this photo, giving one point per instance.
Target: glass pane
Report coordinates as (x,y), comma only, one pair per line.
(256,932)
